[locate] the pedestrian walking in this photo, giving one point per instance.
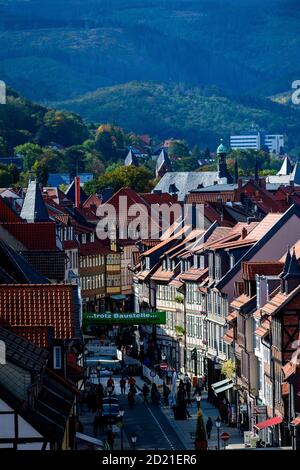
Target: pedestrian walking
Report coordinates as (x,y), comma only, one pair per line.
(154,391)
(198,402)
(166,393)
(145,392)
(209,425)
(111,383)
(188,387)
(131,400)
(123,385)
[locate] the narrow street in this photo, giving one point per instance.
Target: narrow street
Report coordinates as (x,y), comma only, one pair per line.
(149,420)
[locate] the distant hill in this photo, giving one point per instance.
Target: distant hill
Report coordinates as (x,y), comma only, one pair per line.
(55,50)
(200,115)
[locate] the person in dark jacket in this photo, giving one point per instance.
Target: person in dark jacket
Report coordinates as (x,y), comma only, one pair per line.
(145,393)
(209,425)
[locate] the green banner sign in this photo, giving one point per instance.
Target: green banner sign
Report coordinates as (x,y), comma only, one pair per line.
(150,318)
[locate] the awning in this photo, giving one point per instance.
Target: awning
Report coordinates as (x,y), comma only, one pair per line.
(118,297)
(267,423)
(222,386)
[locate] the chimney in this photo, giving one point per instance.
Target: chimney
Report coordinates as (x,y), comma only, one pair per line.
(77,191)
(244,233)
(240,183)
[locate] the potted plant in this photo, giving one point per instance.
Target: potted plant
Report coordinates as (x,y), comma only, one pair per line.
(180,331)
(200,436)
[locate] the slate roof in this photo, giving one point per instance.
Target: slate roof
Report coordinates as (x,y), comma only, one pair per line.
(22,352)
(216,188)
(70,193)
(187,182)
(17,267)
(163,161)
(45,400)
(34,208)
(50,264)
(286,167)
(131,159)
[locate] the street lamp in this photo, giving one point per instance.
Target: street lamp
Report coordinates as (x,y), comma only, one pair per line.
(218,425)
(133,439)
(121,427)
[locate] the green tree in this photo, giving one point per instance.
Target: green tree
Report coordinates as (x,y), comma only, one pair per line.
(137,178)
(179,148)
(63,128)
(30,153)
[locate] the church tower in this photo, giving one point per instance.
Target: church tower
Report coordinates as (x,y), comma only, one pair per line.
(222,165)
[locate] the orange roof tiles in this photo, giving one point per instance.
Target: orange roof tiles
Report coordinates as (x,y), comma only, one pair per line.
(231,317)
(241,301)
(263,329)
(266,268)
(161,275)
(289,369)
(38,335)
(194,274)
(229,336)
(41,305)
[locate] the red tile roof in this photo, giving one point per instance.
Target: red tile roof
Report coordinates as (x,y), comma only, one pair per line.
(34,236)
(41,305)
(38,335)
(231,317)
(194,275)
(161,275)
(241,301)
(276,302)
(266,268)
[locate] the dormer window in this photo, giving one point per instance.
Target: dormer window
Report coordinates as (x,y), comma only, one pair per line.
(92,237)
(83,238)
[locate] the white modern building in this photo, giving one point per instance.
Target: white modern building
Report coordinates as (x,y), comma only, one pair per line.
(257,141)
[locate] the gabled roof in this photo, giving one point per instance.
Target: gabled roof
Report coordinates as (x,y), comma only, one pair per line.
(34,208)
(131,159)
(263,233)
(70,193)
(295,176)
(163,161)
(286,167)
(23,353)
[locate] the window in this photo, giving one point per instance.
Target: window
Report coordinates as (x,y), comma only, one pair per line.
(57,358)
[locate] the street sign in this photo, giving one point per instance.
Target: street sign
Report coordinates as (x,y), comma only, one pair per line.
(130,318)
(225,436)
(260,410)
(152,373)
(164,366)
